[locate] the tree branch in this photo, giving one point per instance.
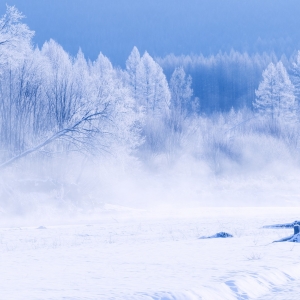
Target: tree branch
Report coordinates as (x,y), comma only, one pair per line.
(57,135)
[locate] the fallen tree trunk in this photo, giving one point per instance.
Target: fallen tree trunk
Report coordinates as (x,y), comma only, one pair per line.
(285,225)
(293,238)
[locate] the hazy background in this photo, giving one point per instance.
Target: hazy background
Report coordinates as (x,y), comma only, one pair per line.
(222,155)
(163,27)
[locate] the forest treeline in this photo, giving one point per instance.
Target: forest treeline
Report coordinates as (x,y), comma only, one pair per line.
(225,80)
(53,104)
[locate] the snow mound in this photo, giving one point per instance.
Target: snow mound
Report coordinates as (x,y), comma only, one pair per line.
(218,235)
(41,227)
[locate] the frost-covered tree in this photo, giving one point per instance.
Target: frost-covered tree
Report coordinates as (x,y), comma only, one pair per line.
(55,103)
(149,88)
(22,109)
(108,90)
(152,88)
(295,77)
(181,93)
(19,81)
(275,95)
(60,89)
(15,37)
(132,63)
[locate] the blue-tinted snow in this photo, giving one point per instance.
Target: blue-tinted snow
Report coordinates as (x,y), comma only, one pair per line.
(144,257)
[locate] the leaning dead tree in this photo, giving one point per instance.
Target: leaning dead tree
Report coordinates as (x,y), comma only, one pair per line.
(83,128)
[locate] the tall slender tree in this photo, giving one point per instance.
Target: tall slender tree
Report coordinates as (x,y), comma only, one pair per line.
(275,95)
(295,77)
(152,88)
(132,64)
(181,93)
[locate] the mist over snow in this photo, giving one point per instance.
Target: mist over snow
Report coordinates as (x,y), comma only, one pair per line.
(165,134)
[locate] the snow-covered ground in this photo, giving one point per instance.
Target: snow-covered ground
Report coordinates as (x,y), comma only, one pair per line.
(128,254)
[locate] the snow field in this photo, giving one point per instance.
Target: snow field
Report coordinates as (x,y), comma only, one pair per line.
(147,257)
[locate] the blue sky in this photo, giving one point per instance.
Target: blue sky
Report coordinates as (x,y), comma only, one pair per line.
(164,26)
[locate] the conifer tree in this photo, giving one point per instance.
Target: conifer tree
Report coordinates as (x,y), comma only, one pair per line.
(152,88)
(131,68)
(275,95)
(181,93)
(295,77)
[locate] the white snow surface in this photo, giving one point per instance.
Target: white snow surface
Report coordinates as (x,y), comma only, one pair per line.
(122,253)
